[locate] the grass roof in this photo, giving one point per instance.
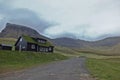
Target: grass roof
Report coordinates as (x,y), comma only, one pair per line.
(32,40)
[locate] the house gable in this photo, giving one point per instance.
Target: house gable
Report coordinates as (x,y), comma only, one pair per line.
(21,44)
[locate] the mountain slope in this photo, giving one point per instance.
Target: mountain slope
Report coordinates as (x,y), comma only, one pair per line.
(108,46)
(76,43)
(14,31)
(109,42)
(69,42)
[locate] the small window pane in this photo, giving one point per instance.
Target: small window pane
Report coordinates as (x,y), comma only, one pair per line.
(50,49)
(33,46)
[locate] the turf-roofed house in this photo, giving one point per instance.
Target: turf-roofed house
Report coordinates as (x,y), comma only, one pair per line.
(27,43)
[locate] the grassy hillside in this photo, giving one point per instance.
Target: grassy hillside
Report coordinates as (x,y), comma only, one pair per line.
(9,41)
(13,60)
(66,51)
(102,66)
(105,69)
(108,51)
(90,53)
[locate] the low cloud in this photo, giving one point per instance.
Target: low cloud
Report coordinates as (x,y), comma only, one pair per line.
(22,16)
(83,19)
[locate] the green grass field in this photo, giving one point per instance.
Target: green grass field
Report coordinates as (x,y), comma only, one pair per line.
(67,51)
(13,60)
(104,69)
(102,64)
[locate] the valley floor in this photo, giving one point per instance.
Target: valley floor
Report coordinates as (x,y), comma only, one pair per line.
(78,66)
(71,69)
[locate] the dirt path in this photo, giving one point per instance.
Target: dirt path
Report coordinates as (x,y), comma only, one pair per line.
(72,69)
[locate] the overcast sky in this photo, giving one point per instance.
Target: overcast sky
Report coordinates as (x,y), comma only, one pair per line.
(83,19)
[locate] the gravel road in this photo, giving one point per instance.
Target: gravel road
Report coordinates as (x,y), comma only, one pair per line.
(72,69)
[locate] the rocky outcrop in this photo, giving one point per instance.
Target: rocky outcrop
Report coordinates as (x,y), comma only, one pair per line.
(14,31)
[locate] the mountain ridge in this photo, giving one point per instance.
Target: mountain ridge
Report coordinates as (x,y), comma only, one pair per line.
(77,43)
(15,30)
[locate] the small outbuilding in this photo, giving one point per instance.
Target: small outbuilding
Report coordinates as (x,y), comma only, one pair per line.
(5,47)
(27,43)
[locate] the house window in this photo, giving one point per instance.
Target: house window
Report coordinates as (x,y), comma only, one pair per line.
(23,47)
(33,46)
(50,48)
(46,49)
(43,49)
(41,41)
(40,49)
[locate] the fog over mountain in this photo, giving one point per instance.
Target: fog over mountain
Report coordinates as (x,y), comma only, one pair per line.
(80,19)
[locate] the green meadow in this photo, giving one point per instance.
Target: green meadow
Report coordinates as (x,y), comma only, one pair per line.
(104,69)
(101,66)
(14,60)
